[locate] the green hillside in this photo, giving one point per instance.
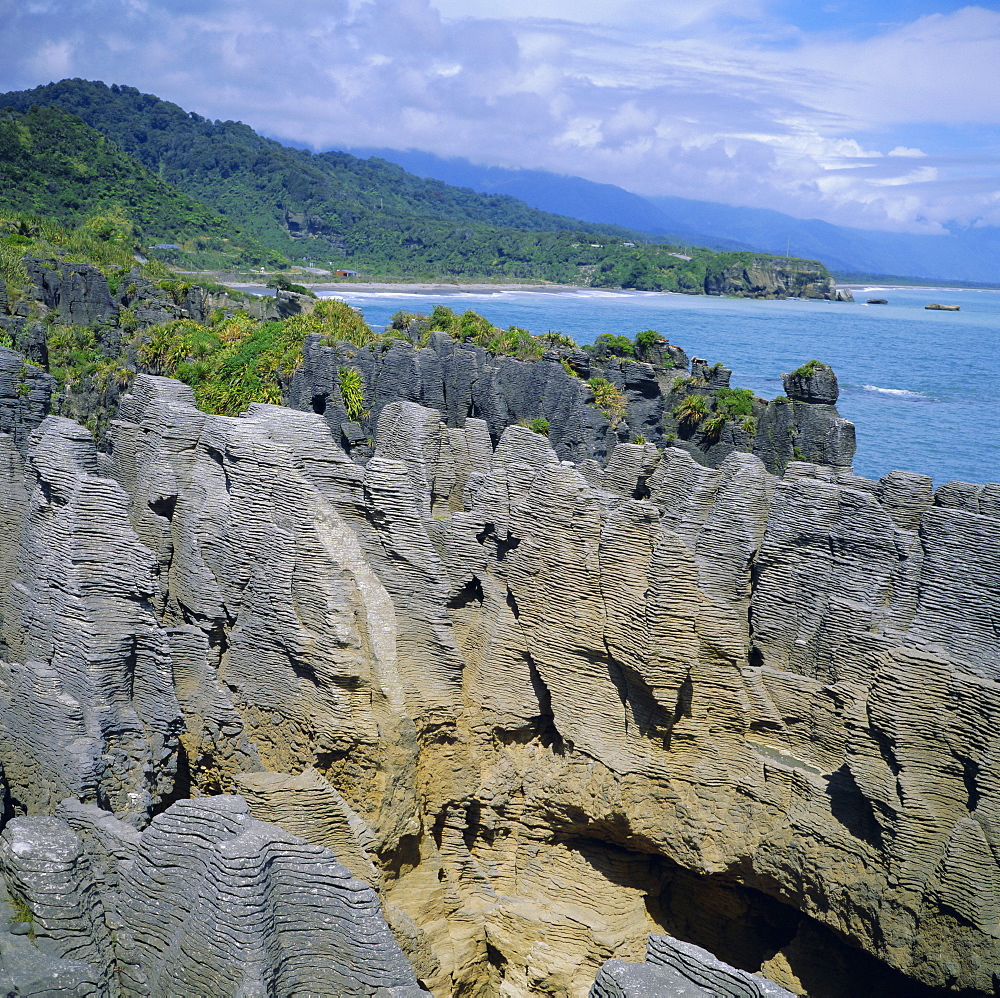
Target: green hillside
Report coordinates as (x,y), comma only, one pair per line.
(291,200)
(54,165)
(336,210)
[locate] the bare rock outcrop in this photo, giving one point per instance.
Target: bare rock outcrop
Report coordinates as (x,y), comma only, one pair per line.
(205,901)
(91,709)
(548,708)
(675,968)
(463,380)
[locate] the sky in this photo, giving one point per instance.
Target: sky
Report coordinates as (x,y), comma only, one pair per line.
(882,115)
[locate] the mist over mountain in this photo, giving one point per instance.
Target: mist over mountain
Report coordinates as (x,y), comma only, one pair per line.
(971,254)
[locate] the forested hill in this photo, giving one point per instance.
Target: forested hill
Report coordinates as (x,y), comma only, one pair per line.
(54,165)
(273,190)
(337,210)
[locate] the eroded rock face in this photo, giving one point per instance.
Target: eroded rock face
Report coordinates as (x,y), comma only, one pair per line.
(679,969)
(205,901)
(91,709)
(462,380)
(814,382)
(553,708)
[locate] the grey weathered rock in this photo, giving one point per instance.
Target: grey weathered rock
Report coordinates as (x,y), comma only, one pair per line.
(206,901)
(552,701)
(76,293)
(714,375)
(676,968)
(814,382)
(91,706)
(25,396)
(799,431)
(732,616)
(463,380)
(47,866)
(27,972)
(958,495)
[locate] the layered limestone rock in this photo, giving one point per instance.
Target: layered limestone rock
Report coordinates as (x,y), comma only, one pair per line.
(205,901)
(771,277)
(462,380)
(548,708)
(25,397)
(91,709)
(682,970)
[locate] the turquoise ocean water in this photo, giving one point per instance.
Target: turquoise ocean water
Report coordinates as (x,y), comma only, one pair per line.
(922,388)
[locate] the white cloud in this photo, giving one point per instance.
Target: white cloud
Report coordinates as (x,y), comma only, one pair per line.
(689,99)
(53,60)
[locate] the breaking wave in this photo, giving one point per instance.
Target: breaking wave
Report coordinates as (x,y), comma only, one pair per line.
(900,392)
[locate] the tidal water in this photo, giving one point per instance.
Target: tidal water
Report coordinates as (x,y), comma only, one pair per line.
(922,388)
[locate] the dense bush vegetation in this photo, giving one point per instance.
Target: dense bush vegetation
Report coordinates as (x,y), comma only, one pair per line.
(53,165)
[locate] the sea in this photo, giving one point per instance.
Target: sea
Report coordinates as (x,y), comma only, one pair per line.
(922,387)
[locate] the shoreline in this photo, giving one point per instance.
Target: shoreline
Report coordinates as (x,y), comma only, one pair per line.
(328,289)
(912,287)
(431,288)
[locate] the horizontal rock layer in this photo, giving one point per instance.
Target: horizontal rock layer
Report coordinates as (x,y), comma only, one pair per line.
(205,901)
(549,708)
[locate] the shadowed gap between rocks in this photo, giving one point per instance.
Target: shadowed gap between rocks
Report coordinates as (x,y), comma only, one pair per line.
(744,926)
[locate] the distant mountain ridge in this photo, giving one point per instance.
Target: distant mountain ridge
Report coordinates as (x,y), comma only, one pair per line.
(972,254)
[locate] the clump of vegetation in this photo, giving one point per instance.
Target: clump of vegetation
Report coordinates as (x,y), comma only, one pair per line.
(229,365)
(336,322)
(470,327)
(74,356)
(732,403)
(607,344)
(808,369)
(568,368)
(647,339)
(797,455)
(691,410)
(539,426)
(749,425)
(609,399)
(127,318)
(107,241)
(409,323)
(234,362)
(352,390)
(281,282)
(552,338)
(713,426)
(177,290)
(782,400)
(21,912)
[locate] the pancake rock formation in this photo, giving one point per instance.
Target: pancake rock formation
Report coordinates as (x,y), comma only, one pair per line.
(679,969)
(205,901)
(545,708)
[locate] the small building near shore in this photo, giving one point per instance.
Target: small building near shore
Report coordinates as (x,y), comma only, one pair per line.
(346,273)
